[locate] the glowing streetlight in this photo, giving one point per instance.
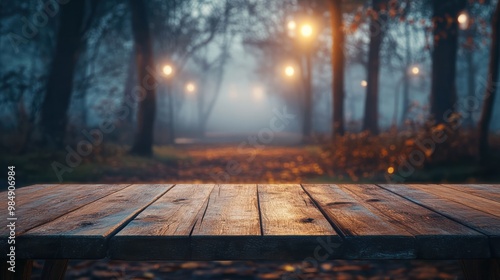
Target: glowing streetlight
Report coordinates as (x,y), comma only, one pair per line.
(415,70)
(364,83)
(292,25)
(306,30)
(168,70)
(289,71)
(190,87)
(463,20)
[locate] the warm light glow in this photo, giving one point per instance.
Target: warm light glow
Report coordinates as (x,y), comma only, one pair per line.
(292,25)
(415,70)
(168,70)
(258,93)
(289,71)
(463,20)
(306,30)
(390,170)
(190,87)
(364,83)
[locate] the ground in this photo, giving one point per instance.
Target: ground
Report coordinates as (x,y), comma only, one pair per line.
(197,163)
(248,270)
(230,164)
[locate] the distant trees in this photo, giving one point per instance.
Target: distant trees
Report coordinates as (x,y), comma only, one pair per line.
(444,57)
(491,87)
(143,142)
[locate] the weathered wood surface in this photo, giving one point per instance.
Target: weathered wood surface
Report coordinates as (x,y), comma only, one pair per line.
(367,235)
(478,220)
(83,233)
(435,235)
(249,221)
(164,227)
(491,192)
(476,202)
(36,205)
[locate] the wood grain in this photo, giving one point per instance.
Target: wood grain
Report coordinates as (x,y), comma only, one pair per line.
(162,230)
(39,204)
(491,192)
(437,237)
(476,202)
(367,234)
(478,220)
(83,233)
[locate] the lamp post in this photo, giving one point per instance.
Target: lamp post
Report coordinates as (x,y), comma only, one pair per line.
(168,71)
(190,88)
(306,33)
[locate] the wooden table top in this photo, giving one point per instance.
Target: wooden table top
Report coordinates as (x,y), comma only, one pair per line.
(250,221)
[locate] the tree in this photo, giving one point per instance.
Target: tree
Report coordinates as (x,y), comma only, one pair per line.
(377,26)
(444,56)
(338,66)
(491,87)
(60,81)
(143,142)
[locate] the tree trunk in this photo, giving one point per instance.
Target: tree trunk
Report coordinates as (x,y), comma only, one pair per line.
(143,142)
(307,125)
(171,115)
(377,29)
(471,83)
(406,77)
(492,87)
(129,88)
(444,57)
(406,98)
(60,81)
(338,67)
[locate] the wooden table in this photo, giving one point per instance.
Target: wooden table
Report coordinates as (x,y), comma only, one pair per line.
(254,222)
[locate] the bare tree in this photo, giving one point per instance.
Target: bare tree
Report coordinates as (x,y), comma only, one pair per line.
(143,143)
(491,87)
(338,66)
(377,26)
(444,56)
(55,105)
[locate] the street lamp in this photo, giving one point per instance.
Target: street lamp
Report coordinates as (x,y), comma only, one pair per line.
(463,20)
(168,70)
(364,83)
(292,25)
(306,30)
(190,87)
(289,71)
(415,70)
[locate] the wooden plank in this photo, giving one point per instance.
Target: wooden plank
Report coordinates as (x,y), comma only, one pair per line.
(162,230)
(288,210)
(231,210)
(479,203)
(83,233)
(480,221)
(367,235)
(437,237)
(491,192)
(232,219)
(39,204)
(291,224)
